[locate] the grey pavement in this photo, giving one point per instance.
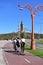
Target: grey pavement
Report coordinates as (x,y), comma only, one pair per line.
(13,58)
(2,61)
(10,55)
(38,46)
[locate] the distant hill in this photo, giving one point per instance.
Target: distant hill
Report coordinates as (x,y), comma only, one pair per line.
(7,36)
(15,34)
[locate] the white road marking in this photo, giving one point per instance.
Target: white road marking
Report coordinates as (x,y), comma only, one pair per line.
(27,60)
(6,60)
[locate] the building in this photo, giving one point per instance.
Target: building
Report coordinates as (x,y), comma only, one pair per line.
(22,27)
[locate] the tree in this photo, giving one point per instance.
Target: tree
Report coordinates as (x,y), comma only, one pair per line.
(22,34)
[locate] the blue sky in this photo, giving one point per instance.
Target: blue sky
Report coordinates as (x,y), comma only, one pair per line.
(11,16)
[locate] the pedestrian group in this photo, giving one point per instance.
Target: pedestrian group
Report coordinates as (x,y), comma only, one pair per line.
(19,45)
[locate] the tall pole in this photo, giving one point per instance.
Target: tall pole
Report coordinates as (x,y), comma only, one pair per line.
(33,12)
(32,34)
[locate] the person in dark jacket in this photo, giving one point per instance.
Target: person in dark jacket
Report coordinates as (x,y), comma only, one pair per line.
(14,44)
(18,43)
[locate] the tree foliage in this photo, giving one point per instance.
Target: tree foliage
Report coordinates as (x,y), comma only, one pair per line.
(22,34)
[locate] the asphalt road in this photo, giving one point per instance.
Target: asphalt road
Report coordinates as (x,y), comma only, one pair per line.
(28,42)
(38,46)
(2,61)
(13,58)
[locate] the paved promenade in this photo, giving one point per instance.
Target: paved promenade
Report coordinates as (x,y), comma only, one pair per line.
(2,61)
(13,58)
(9,57)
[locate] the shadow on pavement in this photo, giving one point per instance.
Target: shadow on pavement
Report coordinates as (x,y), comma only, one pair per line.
(6,47)
(14,52)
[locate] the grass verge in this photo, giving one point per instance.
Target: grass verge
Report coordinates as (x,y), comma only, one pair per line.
(36,52)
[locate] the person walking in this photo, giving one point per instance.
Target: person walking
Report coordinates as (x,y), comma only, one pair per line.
(18,44)
(22,45)
(14,44)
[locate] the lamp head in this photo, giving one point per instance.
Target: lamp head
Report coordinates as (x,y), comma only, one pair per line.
(20,7)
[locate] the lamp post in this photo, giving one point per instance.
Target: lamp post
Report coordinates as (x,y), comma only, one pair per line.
(33,12)
(32,34)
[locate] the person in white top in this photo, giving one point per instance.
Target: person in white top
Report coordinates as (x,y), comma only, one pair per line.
(22,45)
(23,40)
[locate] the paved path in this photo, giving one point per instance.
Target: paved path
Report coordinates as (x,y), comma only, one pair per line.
(2,61)
(12,58)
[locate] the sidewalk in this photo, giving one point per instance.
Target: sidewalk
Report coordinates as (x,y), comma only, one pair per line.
(13,58)
(2,62)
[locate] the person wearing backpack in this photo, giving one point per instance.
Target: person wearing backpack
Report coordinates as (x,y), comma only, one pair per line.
(18,43)
(14,44)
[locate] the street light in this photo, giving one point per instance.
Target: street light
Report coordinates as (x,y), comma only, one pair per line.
(33,12)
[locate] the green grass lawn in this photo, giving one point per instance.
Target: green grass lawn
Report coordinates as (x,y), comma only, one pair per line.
(36,52)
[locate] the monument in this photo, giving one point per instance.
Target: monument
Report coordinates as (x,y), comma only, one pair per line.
(22,27)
